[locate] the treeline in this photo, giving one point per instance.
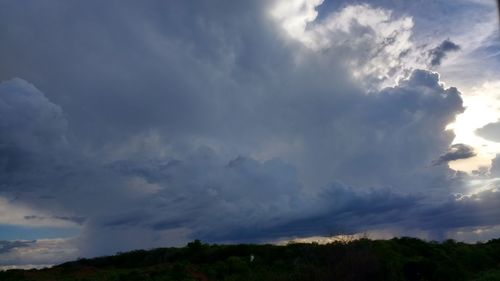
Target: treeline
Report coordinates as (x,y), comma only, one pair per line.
(396,259)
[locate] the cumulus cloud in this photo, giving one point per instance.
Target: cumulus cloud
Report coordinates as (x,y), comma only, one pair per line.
(456,152)
(216,124)
(381,41)
(437,54)
(190,195)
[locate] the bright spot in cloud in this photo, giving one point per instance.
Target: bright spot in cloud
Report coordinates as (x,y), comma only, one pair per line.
(482,108)
(377,43)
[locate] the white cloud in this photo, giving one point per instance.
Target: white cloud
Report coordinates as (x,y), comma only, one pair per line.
(294,16)
(378,44)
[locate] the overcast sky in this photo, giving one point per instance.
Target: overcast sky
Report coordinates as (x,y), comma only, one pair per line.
(139,124)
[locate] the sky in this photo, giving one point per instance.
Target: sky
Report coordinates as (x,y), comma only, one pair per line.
(141,124)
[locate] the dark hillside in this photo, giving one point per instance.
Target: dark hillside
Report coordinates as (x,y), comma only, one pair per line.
(396,259)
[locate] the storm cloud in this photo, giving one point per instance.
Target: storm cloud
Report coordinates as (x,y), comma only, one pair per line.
(153,124)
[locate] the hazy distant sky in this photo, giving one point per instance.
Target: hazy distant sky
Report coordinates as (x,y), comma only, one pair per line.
(138,124)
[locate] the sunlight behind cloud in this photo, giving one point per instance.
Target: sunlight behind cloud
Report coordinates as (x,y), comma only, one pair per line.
(295,15)
(377,43)
(482,107)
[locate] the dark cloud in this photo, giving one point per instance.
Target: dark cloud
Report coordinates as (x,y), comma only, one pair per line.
(29,119)
(478,211)
(74,219)
(340,210)
(437,54)
(401,120)
(456,152)
(32,136)
(210,196)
